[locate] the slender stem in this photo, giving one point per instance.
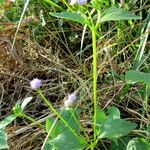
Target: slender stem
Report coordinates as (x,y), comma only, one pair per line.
(146,100)
(94,80)
(59,116)
(32,120)
(66,3)
(98,18)
(54,4)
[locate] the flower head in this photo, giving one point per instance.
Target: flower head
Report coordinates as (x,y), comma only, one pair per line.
(36,83)
(70,100)
(73,2)
(82,2)
(79,2)
(72,97)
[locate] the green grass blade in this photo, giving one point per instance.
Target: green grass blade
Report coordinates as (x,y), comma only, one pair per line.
(140,52)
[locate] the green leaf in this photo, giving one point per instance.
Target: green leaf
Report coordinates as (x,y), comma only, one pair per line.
(1,2)
(25,102)
(72,118)
(67,141)
(49,123)
(101,116)
(115,128)
(57,129)
(63,136)
(138,144)
(114,14)
(48,146)
(121,145)
(114,113)
(133,76)
(7,121)
(3,139)
(69,16)
(17,109)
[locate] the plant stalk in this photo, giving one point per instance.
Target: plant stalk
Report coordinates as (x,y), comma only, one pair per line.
(32,120)
(94,80)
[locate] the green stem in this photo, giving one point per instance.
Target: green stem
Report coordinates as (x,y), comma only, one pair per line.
(32,120)
(94,80)
(146,100)
(98,18)
(59,116)
(54,4)
(66,3)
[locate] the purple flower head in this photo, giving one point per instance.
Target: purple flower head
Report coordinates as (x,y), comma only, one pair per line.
(80,2)
(72,97)
(36,83)
(70,100)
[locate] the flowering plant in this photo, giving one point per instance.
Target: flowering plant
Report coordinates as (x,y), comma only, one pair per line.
(66,128)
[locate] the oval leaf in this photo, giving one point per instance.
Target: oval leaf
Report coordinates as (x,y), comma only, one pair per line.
(133,76)
(101,116)
(114,113)
(69,16)
(67,141)
(115,128)
(114,13)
